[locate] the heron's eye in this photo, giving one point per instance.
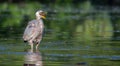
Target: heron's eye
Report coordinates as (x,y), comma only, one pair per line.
(42,13)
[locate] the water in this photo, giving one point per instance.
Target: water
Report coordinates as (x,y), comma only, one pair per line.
(13,52)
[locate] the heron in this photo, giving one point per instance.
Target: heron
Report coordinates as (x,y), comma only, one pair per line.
(34,30)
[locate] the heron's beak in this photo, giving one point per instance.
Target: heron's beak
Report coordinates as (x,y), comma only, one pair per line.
(43,17)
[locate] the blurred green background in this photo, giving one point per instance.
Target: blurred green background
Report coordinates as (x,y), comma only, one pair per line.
(95,18)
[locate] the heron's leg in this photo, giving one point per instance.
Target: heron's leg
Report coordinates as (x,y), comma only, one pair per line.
(31,44)
(39,40)
(31,47)
(37,46)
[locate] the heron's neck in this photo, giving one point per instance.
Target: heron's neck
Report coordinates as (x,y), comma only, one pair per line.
(39,20)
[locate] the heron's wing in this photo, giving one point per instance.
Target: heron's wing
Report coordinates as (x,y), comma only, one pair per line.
(30,31)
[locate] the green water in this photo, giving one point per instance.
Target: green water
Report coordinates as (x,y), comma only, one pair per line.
(62,53)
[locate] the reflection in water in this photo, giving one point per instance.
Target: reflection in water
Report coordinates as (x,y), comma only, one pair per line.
(81,64)
(33,58)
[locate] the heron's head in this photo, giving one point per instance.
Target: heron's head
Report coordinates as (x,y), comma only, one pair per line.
(40,14)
